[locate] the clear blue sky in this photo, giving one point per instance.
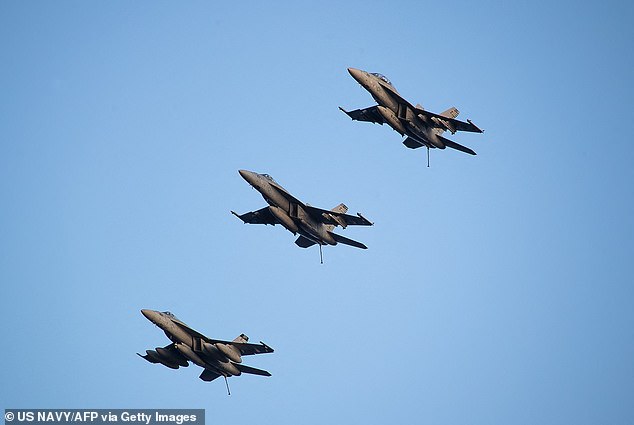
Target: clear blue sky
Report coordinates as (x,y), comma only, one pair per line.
(496,289)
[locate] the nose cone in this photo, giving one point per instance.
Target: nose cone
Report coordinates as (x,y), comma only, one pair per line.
(149,314)
(249,176)
(357,74)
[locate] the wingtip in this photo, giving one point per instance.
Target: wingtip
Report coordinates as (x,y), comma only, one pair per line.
(478,128)
(267,347)
(370,223)
(346,112)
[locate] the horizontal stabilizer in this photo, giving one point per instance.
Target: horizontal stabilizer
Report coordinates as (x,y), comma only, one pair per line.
(303,242)
(412,143)
(253,371)
(346,241)
(456,146)
(209,375)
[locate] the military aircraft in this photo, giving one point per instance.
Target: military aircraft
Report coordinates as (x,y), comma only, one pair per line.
(313,225)
(421,127)
(217,357)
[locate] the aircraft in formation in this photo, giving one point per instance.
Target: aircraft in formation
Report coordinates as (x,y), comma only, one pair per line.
(314,225)
(421,127)
(216,357)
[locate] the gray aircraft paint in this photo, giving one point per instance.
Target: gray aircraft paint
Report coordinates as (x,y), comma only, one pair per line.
(216,357)
(422,128)
(313,225)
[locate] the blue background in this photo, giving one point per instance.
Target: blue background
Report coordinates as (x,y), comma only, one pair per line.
(496,289)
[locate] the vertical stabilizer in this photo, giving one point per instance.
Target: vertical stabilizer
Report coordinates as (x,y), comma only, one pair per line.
(341,208)
(449,113)
(242,338)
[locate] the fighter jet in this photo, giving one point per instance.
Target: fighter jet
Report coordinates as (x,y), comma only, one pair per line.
(217,357)
(313,225)
(421,128)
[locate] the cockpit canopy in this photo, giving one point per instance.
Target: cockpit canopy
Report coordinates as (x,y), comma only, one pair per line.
(382,77)
(172,316)
(269,178)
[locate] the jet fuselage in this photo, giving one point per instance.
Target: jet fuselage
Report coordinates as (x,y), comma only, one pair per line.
(205,355)
(398,113)
(174,332)
(287,210)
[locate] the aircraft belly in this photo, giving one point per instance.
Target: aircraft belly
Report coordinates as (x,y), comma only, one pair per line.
(420,131)
(383,97)
(278,200)
(283,218)
(309,232)
(388,102)
(435,140)
(310,236)
(176,334)
(426,137)
(275,198)
(391,118)
(189,354)
(416,124)
(317,233)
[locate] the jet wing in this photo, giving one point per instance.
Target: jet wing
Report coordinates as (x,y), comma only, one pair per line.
(338,219)
(440,121)
(173,360)
(190,331)
(246,349)
(248,369)
(209,375)
(447,123)
(287,195)
(412,143)
(261,216)
(453,145)
(370,114)
(346,241)
(304,242)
